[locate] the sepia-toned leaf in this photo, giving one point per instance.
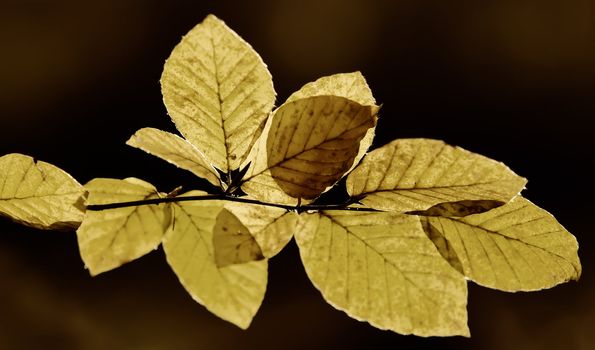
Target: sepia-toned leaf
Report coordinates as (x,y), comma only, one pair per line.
(352,86)
(381,268)
(234,292)
(311,143)
(110,238)
(232,241)
(272,228)
(39,194)
(416,174)
(515,247)
(218,92)
(176,151)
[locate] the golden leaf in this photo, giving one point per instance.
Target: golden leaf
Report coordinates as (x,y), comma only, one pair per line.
(352,86)
(218,92)
(515,247)
(416,174)
(381,268)
(272,228)
(112,237)
(232,241)
(176,151)
(39,194)
(311,143)
(234,292)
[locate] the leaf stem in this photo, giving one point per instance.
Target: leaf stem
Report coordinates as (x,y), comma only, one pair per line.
(227,197)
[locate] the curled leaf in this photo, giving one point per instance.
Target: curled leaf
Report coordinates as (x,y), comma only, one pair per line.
(416,174)
(112,237)
(515,247)
(381,268)
(218,92)
(39,194)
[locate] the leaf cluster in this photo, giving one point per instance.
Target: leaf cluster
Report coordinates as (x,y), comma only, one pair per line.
(422,218)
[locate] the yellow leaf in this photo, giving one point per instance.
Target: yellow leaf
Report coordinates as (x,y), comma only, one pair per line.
(112,237)
(311,143)
(381,268)
(352,86)
(39,194)
(234,292)
(516,247)
(218,92)
(416,174)
(272,228)
(232,241)
(176,151)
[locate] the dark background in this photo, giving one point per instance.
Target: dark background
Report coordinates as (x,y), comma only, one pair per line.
(510,79)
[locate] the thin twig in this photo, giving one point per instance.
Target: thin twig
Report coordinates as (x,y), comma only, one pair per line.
(299,209)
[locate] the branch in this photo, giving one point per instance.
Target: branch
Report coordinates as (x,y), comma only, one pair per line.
(298,208)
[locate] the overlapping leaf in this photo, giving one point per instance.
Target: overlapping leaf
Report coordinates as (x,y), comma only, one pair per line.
(514,247)
(234,292)
(39,194)
(416,174)
(270,227)
(381,268)
(311,143)
(112,237)
(218,92)
(352,86)
(174,150)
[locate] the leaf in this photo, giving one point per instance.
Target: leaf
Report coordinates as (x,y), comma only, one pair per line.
(234,292)
(112,237)
(311,143)
(458,208)
(232,241)
(272,228)
(218,92)
(381,268)
(176,151)
(516,247)
(39,194)
(352,86)
(416,174)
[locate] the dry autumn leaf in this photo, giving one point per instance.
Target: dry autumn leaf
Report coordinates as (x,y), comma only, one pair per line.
(234,292)
(311,143)
(176,151)
(112,237)
(381,268)
(416,174)
(39,194)
(516,247)
(232,241)
(271,228)
(218,92)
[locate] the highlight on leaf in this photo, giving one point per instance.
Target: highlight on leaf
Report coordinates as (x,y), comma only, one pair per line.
(39,194)
(176,151)
(516,247)
(218,92)
(311,143)
(112,237)
(416,174)
(234,292)
(381,268)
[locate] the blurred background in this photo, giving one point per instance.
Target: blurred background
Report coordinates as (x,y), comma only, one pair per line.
(511,79)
